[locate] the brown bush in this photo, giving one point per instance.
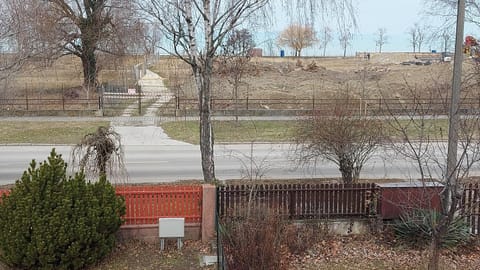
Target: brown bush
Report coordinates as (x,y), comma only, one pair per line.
(253,241)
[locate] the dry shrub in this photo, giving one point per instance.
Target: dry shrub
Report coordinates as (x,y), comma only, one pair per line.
(253,241)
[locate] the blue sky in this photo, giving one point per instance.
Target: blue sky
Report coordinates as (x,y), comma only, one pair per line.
(396,16)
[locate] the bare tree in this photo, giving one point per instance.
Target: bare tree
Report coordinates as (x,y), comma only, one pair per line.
(421,37)
(197,29)
(382,38)
(81,28)
(413,38)
(99,153)
(235,60)
(344,138)
(417,35)
(420,137)
(447,10)
(345,38)
(297,37)
(446,37)
(17,38)
(325,38)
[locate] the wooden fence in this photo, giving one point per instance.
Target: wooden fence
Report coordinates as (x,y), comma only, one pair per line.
(301,201)
(145,204)
(470,206)
(3,191)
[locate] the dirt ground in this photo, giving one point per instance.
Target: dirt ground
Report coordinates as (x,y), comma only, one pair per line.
(373,252)
(338,253)
(383,75)
(136,255)
(64,76)
(333,252)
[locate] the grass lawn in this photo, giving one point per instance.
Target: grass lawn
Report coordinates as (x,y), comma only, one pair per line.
(284,131)
(46,132)
(230,131)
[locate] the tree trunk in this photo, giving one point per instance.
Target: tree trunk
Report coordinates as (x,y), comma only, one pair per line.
(434,253)
(356,173)
(346,168)
(206,130)
(235,96)
(89,63)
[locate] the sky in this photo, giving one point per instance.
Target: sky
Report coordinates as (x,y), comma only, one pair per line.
(395,16)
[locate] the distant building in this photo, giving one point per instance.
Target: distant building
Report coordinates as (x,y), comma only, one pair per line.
(256,52)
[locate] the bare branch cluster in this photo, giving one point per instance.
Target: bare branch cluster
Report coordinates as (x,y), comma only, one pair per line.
(53,28)
(197,29)
(424,132)
(297,37)
(382,38)
(100,153)
(447,9)
(418,36)
(344,139)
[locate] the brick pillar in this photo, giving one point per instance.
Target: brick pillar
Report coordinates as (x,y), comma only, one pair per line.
(208,212)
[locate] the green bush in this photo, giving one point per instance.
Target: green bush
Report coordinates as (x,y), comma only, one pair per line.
(51,221)
(416,228)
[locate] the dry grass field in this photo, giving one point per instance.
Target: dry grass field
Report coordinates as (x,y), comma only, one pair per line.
(41,79)
(383,75)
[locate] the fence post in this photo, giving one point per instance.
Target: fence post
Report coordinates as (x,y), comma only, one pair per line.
(26,97)
(209,202)
(139,100)
(291,201)
(247,103)
(101,98)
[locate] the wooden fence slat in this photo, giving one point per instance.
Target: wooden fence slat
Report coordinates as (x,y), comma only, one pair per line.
(301,201)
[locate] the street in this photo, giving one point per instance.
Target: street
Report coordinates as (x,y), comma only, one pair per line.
(168,163)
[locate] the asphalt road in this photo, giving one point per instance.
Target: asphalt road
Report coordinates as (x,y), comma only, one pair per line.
(166,163)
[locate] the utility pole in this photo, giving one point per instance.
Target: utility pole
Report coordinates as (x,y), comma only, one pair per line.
(454,116)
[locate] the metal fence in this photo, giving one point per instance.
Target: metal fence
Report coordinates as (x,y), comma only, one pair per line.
(49,104)
(244,106)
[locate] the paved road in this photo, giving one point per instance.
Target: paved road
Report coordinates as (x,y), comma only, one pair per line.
(165,163)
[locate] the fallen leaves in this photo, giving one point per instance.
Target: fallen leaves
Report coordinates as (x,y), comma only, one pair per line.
(370,252)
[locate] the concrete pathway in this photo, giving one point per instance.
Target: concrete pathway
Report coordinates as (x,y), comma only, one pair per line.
(144,130)
(154,90)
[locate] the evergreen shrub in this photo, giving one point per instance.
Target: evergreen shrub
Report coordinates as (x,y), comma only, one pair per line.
(54,221)
(416,228)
